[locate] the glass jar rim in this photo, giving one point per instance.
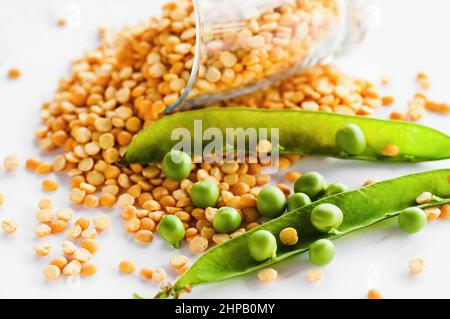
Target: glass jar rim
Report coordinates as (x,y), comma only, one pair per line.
(196,63)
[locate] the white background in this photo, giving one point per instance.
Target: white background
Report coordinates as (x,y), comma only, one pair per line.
(411,36)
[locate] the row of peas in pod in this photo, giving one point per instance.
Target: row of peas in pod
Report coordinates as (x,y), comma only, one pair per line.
(326,218)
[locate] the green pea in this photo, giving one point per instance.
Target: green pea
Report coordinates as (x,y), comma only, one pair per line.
(205,194)
(327,217)
(312,184)
(412,220)
(177,165)
(226,220)
(171,229)
(271,202)
(322,252)
(298,200)
(262,245)
(351,139)
(335,188)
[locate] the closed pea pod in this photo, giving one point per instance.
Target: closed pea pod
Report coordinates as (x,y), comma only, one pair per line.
(300,132)
(361,208)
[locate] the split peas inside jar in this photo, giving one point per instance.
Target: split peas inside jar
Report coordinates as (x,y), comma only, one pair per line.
(234,47)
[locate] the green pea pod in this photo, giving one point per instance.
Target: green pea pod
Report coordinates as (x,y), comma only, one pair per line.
(300,132)
(362,208)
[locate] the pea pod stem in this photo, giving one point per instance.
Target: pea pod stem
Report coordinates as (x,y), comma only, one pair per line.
(300,132)
(362,208)
(164,292)
(335,232)
(435,198)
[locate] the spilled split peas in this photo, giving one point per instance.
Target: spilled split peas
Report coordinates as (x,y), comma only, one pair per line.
(123,95)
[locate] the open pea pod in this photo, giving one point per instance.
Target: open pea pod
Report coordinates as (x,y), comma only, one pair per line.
(362,208)
(300,132)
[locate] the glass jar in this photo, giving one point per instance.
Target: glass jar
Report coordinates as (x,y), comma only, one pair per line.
(245,45)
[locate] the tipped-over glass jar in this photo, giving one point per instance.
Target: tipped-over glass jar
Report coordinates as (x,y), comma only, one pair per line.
(244,45)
